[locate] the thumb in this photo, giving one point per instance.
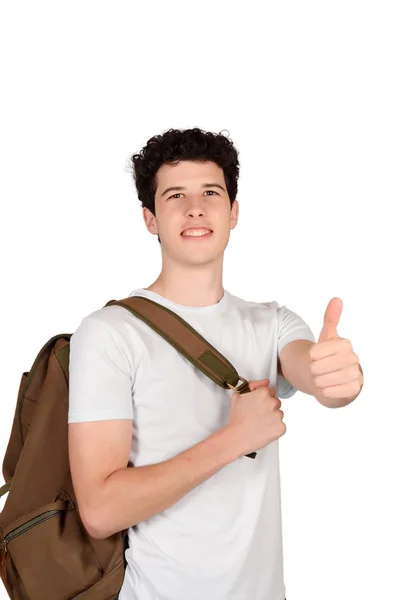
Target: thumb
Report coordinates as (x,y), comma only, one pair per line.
(254,384)
(331,320)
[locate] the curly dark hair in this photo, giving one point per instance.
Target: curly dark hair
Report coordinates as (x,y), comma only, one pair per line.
(175,145)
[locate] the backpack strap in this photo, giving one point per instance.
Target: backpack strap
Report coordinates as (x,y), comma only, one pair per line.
(187,341)
(5,488)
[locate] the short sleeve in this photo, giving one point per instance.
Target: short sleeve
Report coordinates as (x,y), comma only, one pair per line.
(290,327)
(100,373)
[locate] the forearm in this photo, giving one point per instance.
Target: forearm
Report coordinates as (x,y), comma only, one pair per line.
(134,494)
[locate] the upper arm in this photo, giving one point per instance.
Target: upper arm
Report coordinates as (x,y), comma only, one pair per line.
(100,414)
(96,449)
(293,333)
(294,359)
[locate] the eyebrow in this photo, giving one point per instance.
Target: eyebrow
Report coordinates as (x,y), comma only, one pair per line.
(180,187)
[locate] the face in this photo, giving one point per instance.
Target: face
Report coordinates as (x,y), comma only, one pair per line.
(202,202)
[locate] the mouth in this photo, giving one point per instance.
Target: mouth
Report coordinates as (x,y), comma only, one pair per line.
(196,236)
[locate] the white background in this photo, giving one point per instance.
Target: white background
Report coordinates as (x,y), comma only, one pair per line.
(309,93)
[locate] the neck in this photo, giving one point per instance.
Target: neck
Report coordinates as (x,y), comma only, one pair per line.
(190,285)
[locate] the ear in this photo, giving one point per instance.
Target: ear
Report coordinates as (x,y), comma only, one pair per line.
(150,221)
(234,214)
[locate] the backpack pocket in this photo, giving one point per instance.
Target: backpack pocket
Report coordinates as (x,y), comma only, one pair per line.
(52,552)
(108,587)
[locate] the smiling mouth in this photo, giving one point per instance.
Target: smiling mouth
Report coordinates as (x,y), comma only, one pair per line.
(197,236)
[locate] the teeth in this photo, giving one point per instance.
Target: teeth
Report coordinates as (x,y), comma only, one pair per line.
(196,232)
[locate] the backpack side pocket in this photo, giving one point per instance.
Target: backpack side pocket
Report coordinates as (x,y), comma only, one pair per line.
(52,552)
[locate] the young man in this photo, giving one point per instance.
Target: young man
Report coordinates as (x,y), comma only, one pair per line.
(204,520)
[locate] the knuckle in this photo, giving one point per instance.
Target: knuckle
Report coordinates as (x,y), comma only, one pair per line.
(318,382)
(314,368)
(323,393)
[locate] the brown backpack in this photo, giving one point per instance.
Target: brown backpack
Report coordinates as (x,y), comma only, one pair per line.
(46,552)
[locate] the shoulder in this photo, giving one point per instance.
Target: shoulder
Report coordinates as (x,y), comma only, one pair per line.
(111,329)
(256,310)
(112,318)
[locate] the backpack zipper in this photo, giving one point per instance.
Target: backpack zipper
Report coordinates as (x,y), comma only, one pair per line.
(14,533)
(3,560)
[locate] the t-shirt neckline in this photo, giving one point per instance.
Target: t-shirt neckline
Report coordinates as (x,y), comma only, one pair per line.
(212,308)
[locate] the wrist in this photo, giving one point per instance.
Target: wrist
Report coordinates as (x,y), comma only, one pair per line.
(227,443)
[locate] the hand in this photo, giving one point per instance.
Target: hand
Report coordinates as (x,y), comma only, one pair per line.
(256,418)
(335,367)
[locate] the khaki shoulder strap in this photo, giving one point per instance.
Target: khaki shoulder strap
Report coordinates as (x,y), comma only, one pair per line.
(187,341)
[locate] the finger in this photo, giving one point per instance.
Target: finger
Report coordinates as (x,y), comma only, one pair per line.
(257,383)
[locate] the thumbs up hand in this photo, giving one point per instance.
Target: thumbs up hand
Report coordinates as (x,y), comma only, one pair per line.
(335,368)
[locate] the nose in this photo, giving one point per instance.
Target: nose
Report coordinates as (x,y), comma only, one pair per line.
(195,211)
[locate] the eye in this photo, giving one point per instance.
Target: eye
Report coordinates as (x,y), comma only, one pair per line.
(178,193)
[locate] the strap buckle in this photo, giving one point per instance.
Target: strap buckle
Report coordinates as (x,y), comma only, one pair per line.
(233,387)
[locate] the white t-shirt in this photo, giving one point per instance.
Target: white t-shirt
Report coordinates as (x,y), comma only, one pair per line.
(222,540)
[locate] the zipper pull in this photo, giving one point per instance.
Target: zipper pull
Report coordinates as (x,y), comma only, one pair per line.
(3,561)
